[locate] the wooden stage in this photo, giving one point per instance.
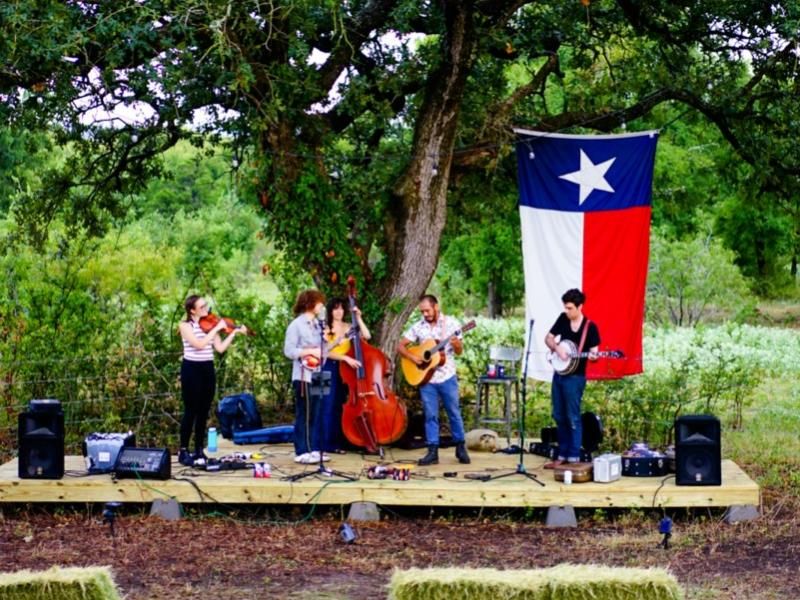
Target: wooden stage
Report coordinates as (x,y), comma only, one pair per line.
(426,487)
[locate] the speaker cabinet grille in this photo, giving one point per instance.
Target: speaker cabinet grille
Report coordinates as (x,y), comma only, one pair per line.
(41,445)
(698,458)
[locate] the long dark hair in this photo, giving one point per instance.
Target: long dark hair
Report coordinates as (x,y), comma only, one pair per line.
(188,305)
(335,302)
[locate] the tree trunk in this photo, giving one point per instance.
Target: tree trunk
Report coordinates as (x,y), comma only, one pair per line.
(491,299)
(418,208)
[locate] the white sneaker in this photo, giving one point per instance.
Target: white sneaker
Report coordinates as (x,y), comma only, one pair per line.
(310,458)
(303,458)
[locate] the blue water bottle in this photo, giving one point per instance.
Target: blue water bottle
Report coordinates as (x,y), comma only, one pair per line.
(212,439)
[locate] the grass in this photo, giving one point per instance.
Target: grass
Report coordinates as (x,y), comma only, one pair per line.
(767,445)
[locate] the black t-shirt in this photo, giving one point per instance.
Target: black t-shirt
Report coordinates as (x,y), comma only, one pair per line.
(562,328)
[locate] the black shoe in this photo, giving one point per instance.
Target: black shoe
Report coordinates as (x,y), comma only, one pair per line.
(461,454)
(431,458)
(185,458)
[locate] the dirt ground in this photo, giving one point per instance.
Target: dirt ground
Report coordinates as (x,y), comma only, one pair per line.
(243,554)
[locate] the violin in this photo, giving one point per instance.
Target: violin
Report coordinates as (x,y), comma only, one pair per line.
(208,322)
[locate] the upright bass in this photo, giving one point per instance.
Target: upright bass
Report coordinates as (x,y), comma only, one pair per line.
(372,416)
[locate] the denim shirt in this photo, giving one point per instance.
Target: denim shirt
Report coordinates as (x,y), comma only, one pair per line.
(301,333)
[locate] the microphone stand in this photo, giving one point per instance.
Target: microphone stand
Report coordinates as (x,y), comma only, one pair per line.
(520,465)
(319,389)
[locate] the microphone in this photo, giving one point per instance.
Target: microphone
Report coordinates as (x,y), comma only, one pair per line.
(321,317)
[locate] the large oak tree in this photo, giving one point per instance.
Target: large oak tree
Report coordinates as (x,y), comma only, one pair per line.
(352,122)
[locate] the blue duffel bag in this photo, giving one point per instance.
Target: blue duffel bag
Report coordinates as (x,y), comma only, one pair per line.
(238,412)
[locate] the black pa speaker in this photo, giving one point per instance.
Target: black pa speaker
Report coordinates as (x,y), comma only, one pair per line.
(698,456)
(41,441)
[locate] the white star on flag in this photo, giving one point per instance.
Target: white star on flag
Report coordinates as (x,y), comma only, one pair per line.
(590,176)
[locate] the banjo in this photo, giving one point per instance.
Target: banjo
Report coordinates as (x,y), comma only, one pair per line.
(570,365)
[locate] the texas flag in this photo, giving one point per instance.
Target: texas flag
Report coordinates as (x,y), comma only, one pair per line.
(584,204)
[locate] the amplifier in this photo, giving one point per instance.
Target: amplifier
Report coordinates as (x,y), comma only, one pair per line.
(147,463)
(101,450)
(607,468)
(644,466)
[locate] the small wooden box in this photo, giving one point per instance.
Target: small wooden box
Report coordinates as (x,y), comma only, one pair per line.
(581,471)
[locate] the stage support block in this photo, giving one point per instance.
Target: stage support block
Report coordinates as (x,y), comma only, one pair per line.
(364,511)
(561,516)
(166,509)
(741,512)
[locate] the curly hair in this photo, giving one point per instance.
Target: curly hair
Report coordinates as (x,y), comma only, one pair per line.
(307,300)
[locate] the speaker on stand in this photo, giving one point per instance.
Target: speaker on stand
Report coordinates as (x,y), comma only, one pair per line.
(41,441)
(698,456)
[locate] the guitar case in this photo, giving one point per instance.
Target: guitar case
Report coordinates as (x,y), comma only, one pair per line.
(581,472)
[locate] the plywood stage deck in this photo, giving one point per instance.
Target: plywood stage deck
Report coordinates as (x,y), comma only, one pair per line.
(427,487)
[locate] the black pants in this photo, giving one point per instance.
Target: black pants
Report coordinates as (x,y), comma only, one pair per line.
(198,384)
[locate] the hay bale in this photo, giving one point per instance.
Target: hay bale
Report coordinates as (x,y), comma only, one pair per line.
(481,440)
(69,583)
(579,582)
(477,584)
(564,582)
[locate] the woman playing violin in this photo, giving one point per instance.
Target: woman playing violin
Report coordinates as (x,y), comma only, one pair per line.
(327,430)
(198,378)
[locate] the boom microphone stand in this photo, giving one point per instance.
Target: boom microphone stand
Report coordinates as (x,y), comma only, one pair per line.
(319,387)
(520,465)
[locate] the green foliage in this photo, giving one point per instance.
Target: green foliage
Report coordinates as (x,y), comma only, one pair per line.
(484,267)
(324,157)
(693,280)
(715,369)
(93,321)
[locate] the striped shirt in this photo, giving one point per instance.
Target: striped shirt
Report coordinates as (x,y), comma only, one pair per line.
(196,354)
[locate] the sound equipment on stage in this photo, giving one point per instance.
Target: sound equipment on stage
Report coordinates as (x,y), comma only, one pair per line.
(100,450)
(698,457)
(640,461)
(549,435)
(591,436)
(147,463)
(41,440)
(607,468)
(226,463)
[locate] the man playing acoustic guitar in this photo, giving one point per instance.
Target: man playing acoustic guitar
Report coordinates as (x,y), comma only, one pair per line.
(443,383)
(567,389)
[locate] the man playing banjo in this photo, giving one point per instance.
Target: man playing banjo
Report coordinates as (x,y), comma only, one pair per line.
(571,333)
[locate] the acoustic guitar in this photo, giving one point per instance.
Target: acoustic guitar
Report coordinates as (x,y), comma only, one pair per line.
(570,365)
(432,354)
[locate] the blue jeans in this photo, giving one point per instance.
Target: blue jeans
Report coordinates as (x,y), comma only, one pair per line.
(448,392)
(566,393)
